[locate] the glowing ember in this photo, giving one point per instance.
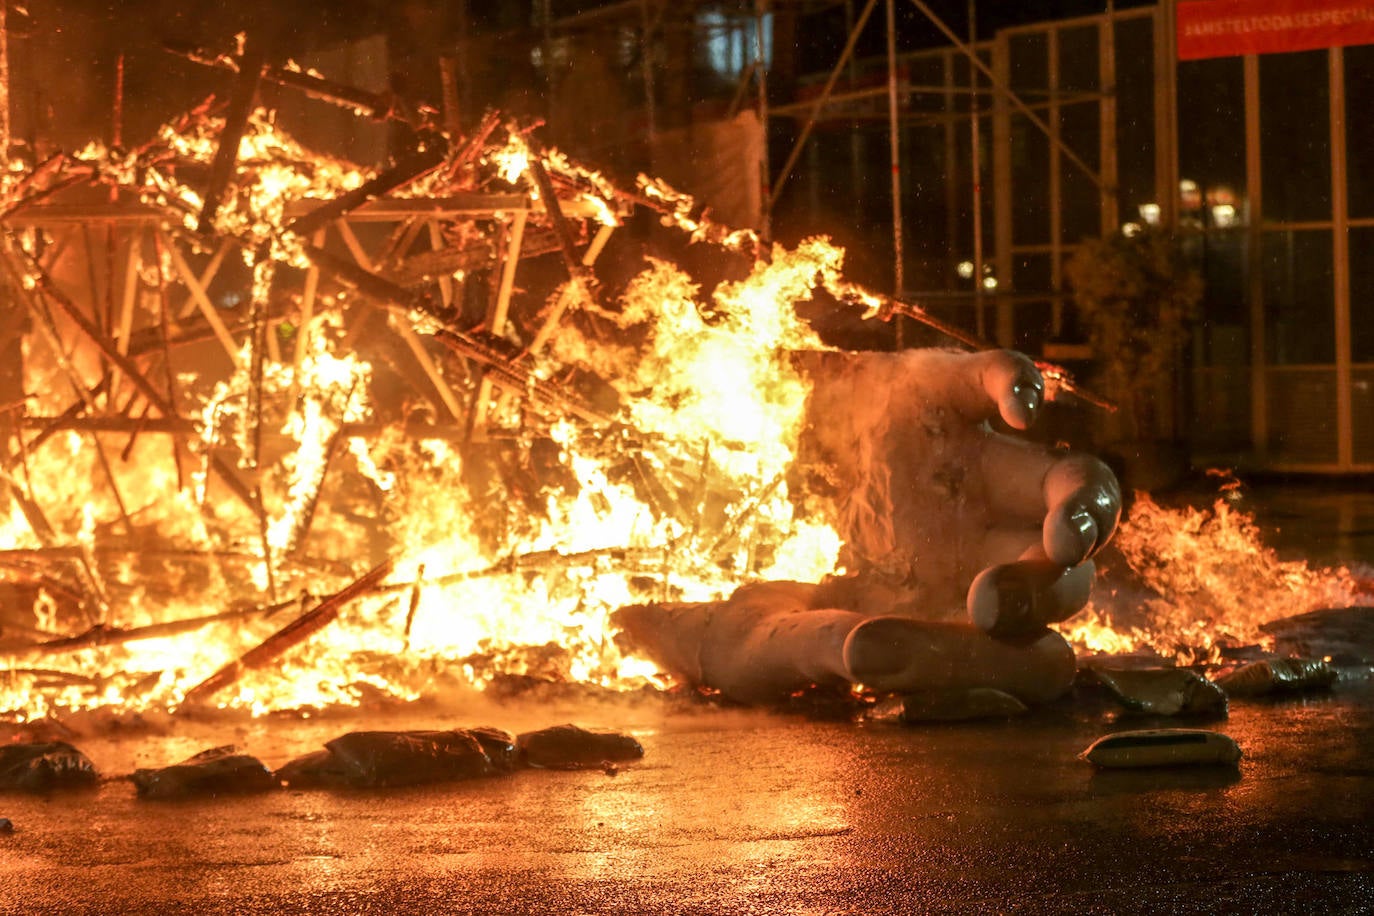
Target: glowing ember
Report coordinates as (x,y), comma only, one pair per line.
(512,161)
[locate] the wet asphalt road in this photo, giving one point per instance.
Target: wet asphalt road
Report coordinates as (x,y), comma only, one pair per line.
(740,812)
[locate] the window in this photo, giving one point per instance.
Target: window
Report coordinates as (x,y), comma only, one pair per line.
(1295,136)
(1135,116)
(1359,132)
(1299,295)
(731,43)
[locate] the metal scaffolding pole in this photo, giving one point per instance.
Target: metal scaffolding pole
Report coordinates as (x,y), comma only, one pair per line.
(976,175)
(898,252)
(1002,89)
(817,106)
(4,82)
(761,76)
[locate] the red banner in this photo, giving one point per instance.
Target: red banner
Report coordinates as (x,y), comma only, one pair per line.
(1226,28)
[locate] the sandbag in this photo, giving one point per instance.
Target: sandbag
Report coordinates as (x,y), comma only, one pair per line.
(217,771)
(377,758)
(570,747)
(1163,691)
(1278,675)
(960,705)
(45,767)
(1163,747)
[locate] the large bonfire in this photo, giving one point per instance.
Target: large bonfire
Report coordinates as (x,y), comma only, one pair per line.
(268,463)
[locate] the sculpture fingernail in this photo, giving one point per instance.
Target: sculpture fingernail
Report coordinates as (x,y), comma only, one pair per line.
(1029,394)
(1085,527)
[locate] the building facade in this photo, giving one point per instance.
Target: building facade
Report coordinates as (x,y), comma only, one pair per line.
(1259,155)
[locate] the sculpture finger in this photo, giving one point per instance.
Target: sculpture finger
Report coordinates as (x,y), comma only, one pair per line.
(1009,545)
(1082,508)
(759,645)
(901,654)
(1015,600)
(980,385)
(1074,498)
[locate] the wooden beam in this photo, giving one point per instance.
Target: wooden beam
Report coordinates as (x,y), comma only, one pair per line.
(311,290)
(289,636)
(460,206)
(431,370)
(126,305)
(496,319)
(414,166)
(207,308)
(568,293)
(355,247)
(28,269)
(235,122)
(375,105)
(207,276)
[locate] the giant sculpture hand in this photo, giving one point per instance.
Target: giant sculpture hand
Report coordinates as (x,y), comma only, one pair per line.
(962,542)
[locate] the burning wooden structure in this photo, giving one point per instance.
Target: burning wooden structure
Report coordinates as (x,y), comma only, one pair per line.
(254,394)
(231,356)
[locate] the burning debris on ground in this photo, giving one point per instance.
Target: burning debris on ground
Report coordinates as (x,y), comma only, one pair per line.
(292,432)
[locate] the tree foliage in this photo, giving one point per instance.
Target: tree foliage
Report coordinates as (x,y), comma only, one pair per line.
(1137,297)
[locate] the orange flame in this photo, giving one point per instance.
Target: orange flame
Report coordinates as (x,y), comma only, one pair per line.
(1210,583)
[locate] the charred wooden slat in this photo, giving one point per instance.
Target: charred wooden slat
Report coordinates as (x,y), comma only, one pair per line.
(569,293)
(181,426)
(75,177)
(202,300)
(164,332)
(372,285)
(374,105)
(48,168)
(48,426)
(289,636)
(427,266)
(472,149)
(448,83)
(301,529)
(567,243)
(235,122)
(32,513)
(464,205)
(542,560)
(402,237)
(501,366)
(444,396)
(503,373)
(45,323)
(402,173)
(101,635)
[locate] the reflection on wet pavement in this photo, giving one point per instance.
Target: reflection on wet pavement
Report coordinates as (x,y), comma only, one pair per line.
(734,810)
